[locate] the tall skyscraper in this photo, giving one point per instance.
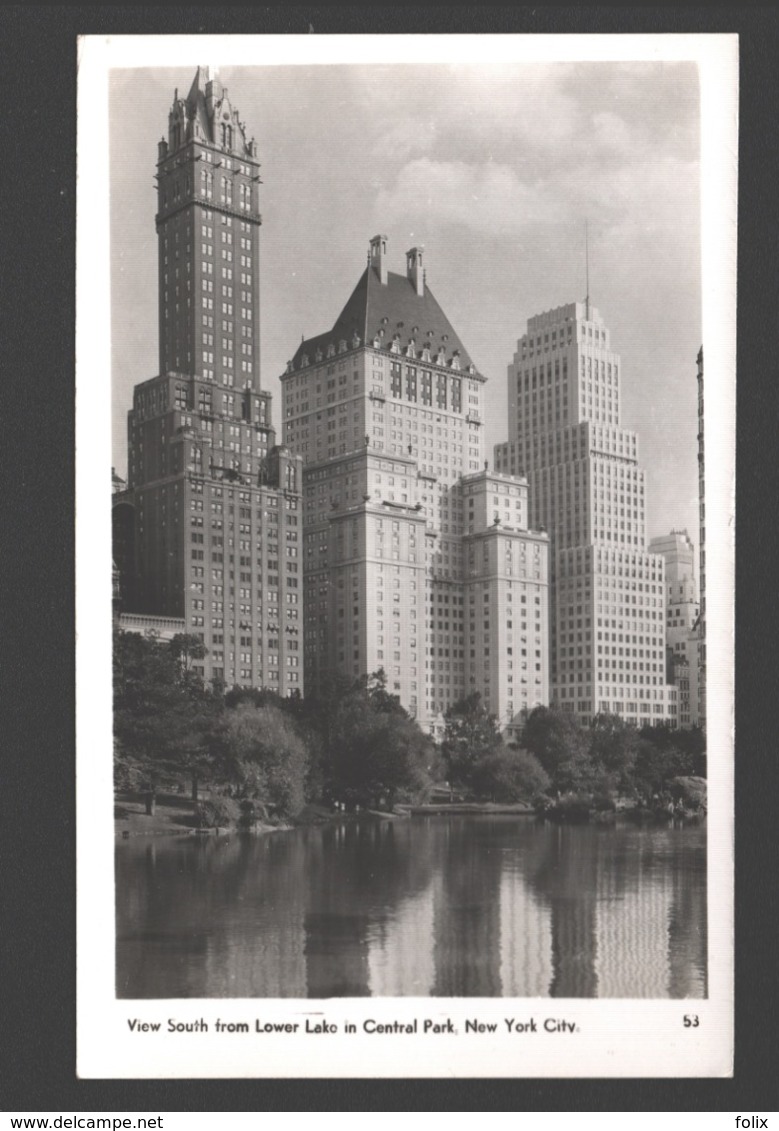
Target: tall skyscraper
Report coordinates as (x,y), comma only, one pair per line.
(418,559)
(217,516)
(588,491)
(681,621)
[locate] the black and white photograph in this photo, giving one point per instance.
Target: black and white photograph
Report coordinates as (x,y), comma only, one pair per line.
(411,364)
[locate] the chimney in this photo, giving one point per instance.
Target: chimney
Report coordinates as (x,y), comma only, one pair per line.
(414,270)
(379,257)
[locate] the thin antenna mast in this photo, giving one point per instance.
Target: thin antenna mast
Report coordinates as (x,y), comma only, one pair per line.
(587,269)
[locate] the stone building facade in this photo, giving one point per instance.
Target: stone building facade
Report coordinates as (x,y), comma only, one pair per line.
(586,487)
(418,559)
(215,503)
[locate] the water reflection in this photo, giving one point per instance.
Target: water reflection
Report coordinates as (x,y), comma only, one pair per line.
(438,906)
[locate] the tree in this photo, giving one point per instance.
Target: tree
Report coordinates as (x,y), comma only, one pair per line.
(319,710)
(268,756)
(562,747)
(613,750)
(510,775)
(382,700)
(186,648)
(370,747)
(471,734)
(375,752)
(165,720)
(657,764)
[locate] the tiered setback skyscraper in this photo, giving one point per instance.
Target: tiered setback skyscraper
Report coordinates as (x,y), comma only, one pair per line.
(682,619)
(587,490)
(218,522)
(418,560)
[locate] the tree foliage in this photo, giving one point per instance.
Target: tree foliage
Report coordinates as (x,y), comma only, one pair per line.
(268,758)
(561,745)
(613,750)
(509,775)
(165,721)
(610,756)
(373,749)
(354,742)
(471,734)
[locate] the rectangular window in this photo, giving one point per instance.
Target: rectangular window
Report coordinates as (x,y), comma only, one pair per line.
(441,390)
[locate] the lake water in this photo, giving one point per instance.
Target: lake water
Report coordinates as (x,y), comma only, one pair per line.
(451,906)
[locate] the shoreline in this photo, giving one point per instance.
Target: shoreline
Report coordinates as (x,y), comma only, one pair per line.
(174,817)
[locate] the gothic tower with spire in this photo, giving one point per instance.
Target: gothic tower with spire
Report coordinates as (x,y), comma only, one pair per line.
(215,499)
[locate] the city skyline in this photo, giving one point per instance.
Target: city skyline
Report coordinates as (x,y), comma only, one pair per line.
(348,152)
(501,232)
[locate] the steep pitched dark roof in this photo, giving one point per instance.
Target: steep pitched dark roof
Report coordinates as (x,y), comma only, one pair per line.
(376,310)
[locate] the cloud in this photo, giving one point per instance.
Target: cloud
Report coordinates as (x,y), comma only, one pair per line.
(406,138)
(474,111)
(492,198)
(487,197)
(609,132)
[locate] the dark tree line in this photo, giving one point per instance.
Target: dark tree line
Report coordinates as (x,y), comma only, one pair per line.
(558,755)
(353,743)
(478,760)
(166,722)
(611,758)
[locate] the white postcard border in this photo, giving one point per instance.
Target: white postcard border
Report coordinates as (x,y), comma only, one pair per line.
(611,1038)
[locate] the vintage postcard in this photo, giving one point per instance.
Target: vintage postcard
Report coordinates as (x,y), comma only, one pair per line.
(405,627)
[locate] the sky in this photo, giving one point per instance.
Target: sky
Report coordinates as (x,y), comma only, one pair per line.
(493,167)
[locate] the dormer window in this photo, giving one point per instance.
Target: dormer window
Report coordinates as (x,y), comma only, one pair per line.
(342,346)
(331,350)
(318,354)
(304,360)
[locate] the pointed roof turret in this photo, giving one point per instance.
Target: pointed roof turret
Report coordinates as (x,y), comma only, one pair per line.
(386,307)
(210,116)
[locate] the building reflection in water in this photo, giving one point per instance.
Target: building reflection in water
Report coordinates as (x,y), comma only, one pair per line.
(634,895)
(525,939)
(261,952)
(401,955)
(565,880)
(446,907)
(687,925)
(466,917)
(335,924)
